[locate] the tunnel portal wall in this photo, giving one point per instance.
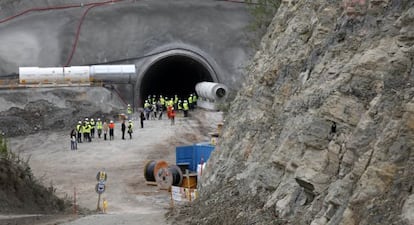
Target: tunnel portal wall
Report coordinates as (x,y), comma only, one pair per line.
(213,33)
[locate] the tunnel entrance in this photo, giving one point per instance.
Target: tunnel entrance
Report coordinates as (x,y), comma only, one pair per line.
(173,75)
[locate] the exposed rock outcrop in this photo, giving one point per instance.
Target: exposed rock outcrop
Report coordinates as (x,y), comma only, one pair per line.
(281,161)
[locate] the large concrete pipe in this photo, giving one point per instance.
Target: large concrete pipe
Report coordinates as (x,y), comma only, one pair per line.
(117,74)
(211,91)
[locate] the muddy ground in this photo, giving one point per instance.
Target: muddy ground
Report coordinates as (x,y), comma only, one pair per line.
(130,199)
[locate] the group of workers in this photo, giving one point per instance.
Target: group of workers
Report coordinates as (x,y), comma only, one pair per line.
(155,106)
(85,130)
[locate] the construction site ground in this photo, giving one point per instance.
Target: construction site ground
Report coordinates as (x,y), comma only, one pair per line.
(130,199)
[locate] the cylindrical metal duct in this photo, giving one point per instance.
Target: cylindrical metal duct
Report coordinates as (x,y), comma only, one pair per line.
(118,74)
(211,91)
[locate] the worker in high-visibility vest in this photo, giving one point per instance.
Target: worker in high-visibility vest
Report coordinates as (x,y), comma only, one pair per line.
(185,108)
(79,130)
(92,124)
(176,101)
(99,127)
(146,104)
(180,105)
(87,131)
(129,111)
(162,101)
(154,99)
(85,126)
(190,102)
(194,100)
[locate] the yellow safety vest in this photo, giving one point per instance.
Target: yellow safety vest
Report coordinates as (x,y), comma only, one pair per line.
(87,128)
(185,105)
(79,128)
(99,125)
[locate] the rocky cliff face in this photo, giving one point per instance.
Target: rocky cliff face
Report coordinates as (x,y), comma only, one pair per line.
(282,161)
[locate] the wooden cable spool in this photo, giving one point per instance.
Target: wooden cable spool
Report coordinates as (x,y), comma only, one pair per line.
(151,169)
(167,177)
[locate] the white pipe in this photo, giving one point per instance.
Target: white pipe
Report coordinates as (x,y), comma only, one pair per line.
(77,74)
(211,91)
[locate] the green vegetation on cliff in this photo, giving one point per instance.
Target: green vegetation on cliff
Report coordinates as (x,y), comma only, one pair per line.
(20,191)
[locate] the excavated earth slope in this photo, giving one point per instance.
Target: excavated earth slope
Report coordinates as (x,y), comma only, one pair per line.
(29,111)
(281,161)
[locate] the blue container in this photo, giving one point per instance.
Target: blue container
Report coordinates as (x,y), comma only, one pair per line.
(192,155)
(202,153)
(184,156)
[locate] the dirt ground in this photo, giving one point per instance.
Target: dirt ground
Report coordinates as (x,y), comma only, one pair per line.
(130,199)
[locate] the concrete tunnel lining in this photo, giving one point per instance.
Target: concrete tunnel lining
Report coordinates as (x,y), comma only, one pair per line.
(173,72)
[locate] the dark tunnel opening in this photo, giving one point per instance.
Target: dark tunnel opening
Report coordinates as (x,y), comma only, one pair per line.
(173,75)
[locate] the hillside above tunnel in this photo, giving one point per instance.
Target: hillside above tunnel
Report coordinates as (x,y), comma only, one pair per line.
(173,44)
(321,132)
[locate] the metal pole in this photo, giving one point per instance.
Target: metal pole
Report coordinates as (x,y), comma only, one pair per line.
(172,199)
(187,174)
(99,201)
(75,211)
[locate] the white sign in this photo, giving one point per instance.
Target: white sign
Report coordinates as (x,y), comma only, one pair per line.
(181,194)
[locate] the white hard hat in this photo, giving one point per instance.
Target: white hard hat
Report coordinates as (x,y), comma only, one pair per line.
(112,121)
(86,119)
(129,105)
(80,121)
(99,119)
(92,119)
(130,121)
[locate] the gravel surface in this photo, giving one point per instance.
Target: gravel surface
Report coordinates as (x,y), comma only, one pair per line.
(130,200)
